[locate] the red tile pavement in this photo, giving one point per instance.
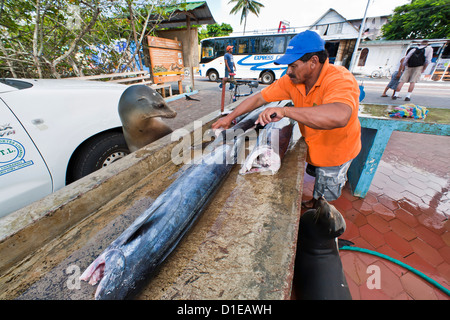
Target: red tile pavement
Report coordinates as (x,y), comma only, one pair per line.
(405,215)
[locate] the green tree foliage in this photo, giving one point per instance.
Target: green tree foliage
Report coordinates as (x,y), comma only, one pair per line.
(246,7)
(215,30)
(67,38)
(421,19)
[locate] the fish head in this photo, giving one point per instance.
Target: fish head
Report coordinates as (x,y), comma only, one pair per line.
(140,102)
(111,283)
(263,159)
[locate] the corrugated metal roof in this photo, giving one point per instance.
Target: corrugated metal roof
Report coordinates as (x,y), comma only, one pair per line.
(186,7)
(198,11)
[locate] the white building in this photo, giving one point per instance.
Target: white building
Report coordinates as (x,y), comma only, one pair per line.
(383,55)
(341,34)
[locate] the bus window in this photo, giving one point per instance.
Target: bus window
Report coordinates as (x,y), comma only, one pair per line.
(275,44)
(267,44)
(289,37)
(242,46)
(278,46)
(220,48)
(254,45)
(233,42)
(208,49)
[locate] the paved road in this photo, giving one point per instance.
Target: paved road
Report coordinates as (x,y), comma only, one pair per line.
(431,94)
(426,93)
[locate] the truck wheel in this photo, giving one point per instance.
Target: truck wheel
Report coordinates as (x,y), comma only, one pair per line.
(98,152)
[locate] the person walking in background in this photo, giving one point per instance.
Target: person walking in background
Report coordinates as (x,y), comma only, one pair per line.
(395,79)
(230,67)
(416,61)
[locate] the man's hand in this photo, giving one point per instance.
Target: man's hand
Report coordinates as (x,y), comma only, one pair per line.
(271,115)
(249,104)
(224,122)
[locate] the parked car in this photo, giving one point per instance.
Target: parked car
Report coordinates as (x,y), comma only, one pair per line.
(53,132)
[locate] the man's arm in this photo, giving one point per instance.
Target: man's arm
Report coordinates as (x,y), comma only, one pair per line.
(249,104)
(323,117)
(401,67)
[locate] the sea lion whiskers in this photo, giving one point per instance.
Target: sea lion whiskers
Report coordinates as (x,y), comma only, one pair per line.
(141,109)
(316,215)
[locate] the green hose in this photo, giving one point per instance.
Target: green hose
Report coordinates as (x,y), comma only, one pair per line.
(417,272)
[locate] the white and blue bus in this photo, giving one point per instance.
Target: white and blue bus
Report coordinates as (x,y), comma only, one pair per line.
(253,56)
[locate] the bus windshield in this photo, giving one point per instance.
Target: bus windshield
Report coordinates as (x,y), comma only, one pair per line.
(207,50)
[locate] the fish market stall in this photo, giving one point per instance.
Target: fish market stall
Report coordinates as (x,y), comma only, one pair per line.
(241,247)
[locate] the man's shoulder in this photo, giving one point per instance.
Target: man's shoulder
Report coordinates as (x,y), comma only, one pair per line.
(283,83)
(335,72)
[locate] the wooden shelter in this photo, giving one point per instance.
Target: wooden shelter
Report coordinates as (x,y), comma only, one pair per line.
(186,15)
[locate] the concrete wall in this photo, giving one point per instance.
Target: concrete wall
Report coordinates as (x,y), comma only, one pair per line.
(381,54)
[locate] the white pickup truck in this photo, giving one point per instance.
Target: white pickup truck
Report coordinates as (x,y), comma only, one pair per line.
(53,132)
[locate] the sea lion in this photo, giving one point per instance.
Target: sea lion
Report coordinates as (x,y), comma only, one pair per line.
(140,110)
(318,273)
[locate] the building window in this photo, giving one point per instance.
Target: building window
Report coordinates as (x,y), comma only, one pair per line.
(363,57)
(335,28)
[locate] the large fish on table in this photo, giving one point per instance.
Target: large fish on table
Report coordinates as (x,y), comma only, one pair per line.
(125,265)
(271,146)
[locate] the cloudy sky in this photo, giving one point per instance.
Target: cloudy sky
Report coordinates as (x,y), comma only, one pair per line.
(299,13)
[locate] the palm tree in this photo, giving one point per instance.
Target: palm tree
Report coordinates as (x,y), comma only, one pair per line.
(246,6)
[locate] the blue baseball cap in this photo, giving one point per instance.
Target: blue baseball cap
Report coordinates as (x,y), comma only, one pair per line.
(305,42)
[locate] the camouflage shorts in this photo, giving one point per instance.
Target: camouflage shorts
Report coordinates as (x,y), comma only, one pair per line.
(330,181)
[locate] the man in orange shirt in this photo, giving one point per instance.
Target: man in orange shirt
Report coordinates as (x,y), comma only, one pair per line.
(326,100)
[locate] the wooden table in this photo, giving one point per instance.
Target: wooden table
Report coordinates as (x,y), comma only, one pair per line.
(242,247)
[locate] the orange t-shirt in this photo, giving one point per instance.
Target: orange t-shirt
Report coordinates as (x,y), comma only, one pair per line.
(326,148)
